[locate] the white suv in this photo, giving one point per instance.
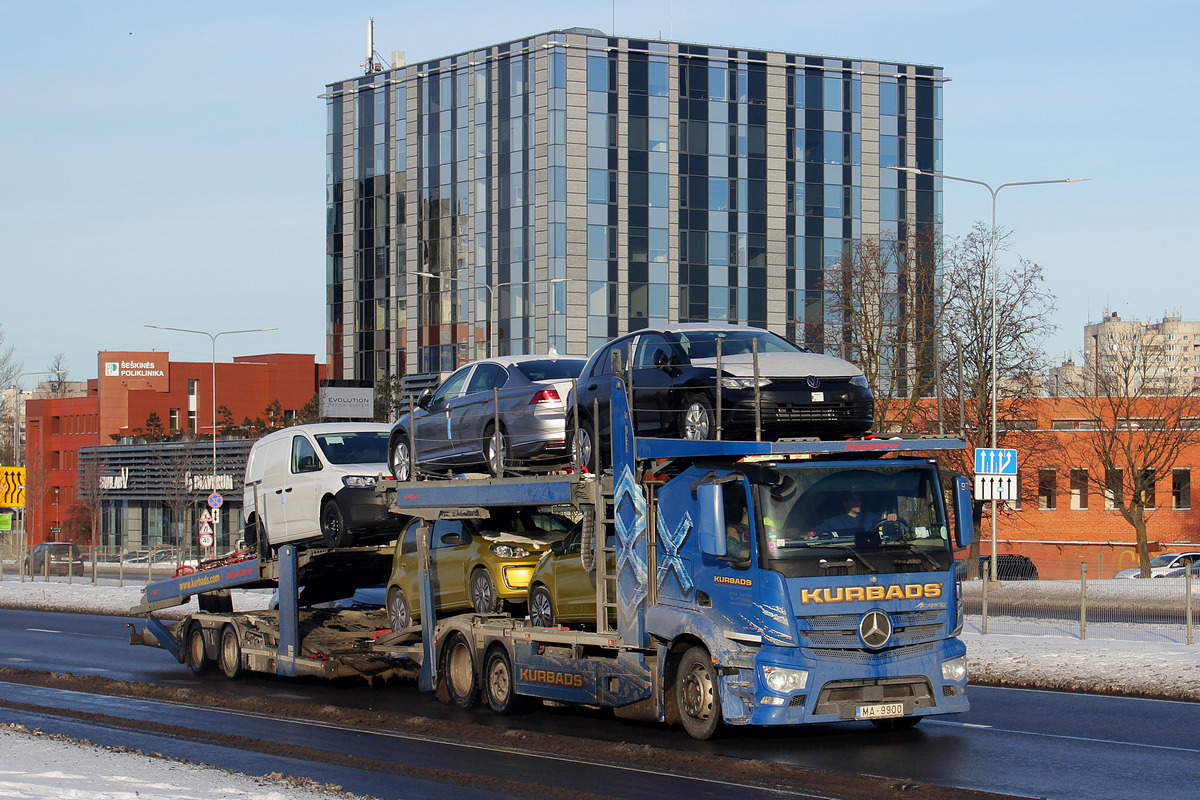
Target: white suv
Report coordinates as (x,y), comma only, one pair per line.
(316,484)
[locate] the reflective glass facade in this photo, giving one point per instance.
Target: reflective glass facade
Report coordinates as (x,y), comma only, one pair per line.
(557,191)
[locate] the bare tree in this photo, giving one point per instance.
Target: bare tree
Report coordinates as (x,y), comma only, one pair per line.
(1139,413)
(878,292)
(59,375)
(1023,306)
(9,370)
(89,502)
(179,490)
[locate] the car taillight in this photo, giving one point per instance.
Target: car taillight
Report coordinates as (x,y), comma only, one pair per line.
(546,396)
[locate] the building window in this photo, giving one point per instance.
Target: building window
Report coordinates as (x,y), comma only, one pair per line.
(1112,488)
(1046,489)
(1181,488)
(1148,479)
(173,416)
(1079,489)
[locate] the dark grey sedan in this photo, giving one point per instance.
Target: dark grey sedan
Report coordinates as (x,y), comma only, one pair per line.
(491,414)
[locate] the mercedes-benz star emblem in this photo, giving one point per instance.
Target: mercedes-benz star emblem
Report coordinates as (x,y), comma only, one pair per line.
(813,382)
(875,628)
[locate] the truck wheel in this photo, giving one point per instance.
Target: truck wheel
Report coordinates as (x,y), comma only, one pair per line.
(231,654)
(697,420)
(495,450)
(498,682)
(401,458)
(483,592)
(541,608)
(399,614)
(897,723)
(458,671)
(697,694)
(197,661)
(333,526)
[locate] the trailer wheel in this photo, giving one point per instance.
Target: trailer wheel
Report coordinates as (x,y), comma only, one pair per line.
(458,671)
(484,598)
(897,723)
(697,694)
(231,654)
(499,683)
(197,660)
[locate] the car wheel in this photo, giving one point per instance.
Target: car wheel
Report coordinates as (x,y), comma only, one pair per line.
(697,694)
(484,598)
(333,526)
(230,655)
(498,682)
(197,660)
(458,672)
(401,458)
(897,723)
(583,443)
(495,450)
(697,420)
(541,608)
(399,614)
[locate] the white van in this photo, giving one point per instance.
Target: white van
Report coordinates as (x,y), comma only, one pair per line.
(316,484)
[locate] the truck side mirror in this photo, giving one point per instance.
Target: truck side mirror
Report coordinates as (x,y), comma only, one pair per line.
(712,519)
(964,531)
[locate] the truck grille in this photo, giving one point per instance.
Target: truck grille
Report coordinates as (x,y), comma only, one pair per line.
(842,697)
(840,631)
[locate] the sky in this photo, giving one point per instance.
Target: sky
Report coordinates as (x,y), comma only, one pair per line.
(164,163)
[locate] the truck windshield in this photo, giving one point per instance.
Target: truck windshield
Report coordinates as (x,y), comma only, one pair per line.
(869,519)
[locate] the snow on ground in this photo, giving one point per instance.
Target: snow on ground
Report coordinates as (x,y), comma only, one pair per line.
(39,766)
(1115,658)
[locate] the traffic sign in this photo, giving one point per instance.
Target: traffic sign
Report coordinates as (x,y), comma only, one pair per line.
(12,487)
(206,516)
(206,529)
(215,500)
(995,473)
(206,540)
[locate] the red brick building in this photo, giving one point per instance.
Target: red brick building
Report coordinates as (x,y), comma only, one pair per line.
(1064,516)
(133,385)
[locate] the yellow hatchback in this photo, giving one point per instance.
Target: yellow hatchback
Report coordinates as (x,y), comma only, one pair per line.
(561,591)
(480,564)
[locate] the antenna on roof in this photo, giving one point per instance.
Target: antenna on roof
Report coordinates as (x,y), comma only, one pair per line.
(374,62)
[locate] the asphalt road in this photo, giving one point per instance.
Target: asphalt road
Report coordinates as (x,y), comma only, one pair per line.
(1021,742)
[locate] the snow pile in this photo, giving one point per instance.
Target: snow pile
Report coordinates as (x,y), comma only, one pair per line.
(80,595)
(39,766)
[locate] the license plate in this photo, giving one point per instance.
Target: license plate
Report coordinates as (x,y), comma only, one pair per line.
(879,711)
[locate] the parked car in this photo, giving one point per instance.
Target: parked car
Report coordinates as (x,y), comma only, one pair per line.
(674,378)
(1009,567)
(315,484)
(477,564)
(364,598)
(489,414)
(561,591)
(54,557)
(1164,565)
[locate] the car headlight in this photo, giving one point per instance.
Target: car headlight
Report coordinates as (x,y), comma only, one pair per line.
(860,381)
(782,680)
(510,551)
(955,669)
(743,383)
(359,481)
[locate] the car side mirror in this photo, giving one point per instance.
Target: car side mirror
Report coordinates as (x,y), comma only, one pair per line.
(660,358)
(558,548)
(309,464)
(424,398)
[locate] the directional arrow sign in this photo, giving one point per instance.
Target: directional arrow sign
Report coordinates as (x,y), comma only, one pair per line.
(995,487)
(12,487)
(995,461)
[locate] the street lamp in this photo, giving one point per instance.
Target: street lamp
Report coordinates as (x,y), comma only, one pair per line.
(995,270)
(213,337)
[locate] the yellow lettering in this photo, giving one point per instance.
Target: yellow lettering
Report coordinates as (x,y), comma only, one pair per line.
(836,596)
(933,590)
(912,591)
(855,593)
(810,595)
(875,592)
(894,593)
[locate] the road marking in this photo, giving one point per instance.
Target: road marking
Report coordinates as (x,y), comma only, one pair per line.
(41,630)
(26,660)
(1069,738)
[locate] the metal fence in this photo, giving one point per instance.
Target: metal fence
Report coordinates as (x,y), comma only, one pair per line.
(137,566)
(1159,609)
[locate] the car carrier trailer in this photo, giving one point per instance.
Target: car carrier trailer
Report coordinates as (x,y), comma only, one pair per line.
(805,627)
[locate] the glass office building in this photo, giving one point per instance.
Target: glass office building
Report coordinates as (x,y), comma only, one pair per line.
(556,191)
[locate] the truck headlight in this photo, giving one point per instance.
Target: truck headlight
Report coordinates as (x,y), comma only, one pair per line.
(955,669)
(359,481)
(782,680)
(743,383)
(510,551)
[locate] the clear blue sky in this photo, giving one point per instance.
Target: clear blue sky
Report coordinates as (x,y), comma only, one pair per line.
(163,163)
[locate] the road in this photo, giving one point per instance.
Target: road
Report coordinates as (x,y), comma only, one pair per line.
(1019,742)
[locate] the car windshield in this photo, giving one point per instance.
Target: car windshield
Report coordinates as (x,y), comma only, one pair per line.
(703,344)
(853,520)
(529,522)
(551,369)
(354,447)
(1165,560)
